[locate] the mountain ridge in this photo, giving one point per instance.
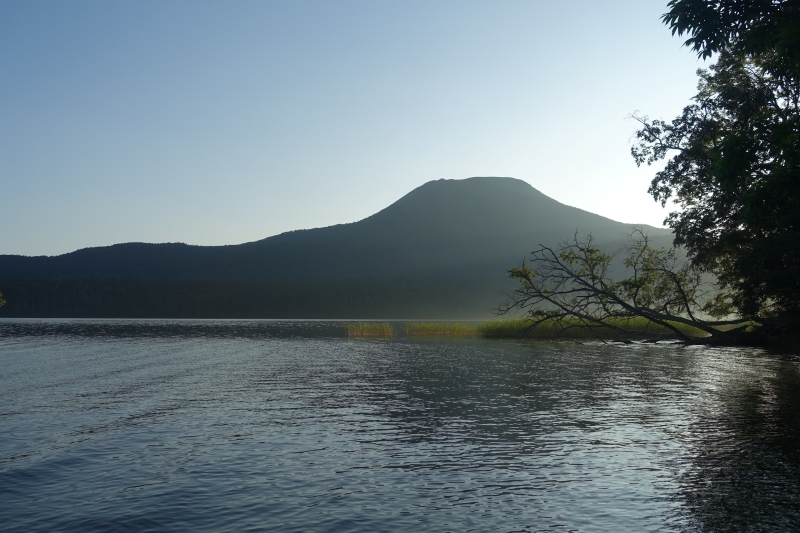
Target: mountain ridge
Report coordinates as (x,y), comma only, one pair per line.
(460,229)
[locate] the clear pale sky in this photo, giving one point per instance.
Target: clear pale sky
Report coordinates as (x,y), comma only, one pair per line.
(227,122)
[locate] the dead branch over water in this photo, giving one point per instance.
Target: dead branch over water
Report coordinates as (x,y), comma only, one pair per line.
(571,287)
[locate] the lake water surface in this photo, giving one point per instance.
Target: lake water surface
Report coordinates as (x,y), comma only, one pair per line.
(291,426)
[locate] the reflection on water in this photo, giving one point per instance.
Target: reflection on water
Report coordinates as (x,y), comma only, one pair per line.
(265,426)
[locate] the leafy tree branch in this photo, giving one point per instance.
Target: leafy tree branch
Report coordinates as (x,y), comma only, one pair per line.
(571,286)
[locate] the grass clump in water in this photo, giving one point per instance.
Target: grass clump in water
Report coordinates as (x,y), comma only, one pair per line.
(450,329)
(643,326)
(370,329)
(512,327)
(521,328)
(637,327)
(496,329)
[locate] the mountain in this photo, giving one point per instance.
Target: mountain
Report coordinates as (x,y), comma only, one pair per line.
(440,251)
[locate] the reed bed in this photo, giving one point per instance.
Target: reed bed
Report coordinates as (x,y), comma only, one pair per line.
(520,328)
(370,329)
(449,329)
(496,329)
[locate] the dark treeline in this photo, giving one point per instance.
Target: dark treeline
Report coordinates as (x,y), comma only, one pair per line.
(131,298)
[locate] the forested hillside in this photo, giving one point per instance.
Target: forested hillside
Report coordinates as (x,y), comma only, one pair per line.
(440,251)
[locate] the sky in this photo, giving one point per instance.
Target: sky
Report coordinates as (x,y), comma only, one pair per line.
(226,122)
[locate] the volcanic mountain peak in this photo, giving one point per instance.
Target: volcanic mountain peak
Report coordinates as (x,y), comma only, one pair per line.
(472,229)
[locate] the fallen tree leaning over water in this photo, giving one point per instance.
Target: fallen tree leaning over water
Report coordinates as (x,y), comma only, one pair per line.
(571,286)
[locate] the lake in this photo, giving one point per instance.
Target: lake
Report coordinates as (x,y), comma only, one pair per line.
(151,425)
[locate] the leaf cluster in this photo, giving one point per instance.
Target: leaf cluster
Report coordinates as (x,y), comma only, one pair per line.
(749,27)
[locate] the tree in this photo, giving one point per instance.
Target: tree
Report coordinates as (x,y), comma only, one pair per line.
(734,153)
(2,302)
(751,27)
(571,286)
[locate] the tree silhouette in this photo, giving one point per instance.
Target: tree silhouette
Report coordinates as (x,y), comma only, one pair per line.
(733,155)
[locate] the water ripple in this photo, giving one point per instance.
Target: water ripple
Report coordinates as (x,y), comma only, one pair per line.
(290,426)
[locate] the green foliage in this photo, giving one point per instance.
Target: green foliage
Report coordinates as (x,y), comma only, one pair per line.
(370,329)
(659,280)
(734,154)
(741,26)
(2,302)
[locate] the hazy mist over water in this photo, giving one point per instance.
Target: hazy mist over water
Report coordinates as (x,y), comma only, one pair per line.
(291,426)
